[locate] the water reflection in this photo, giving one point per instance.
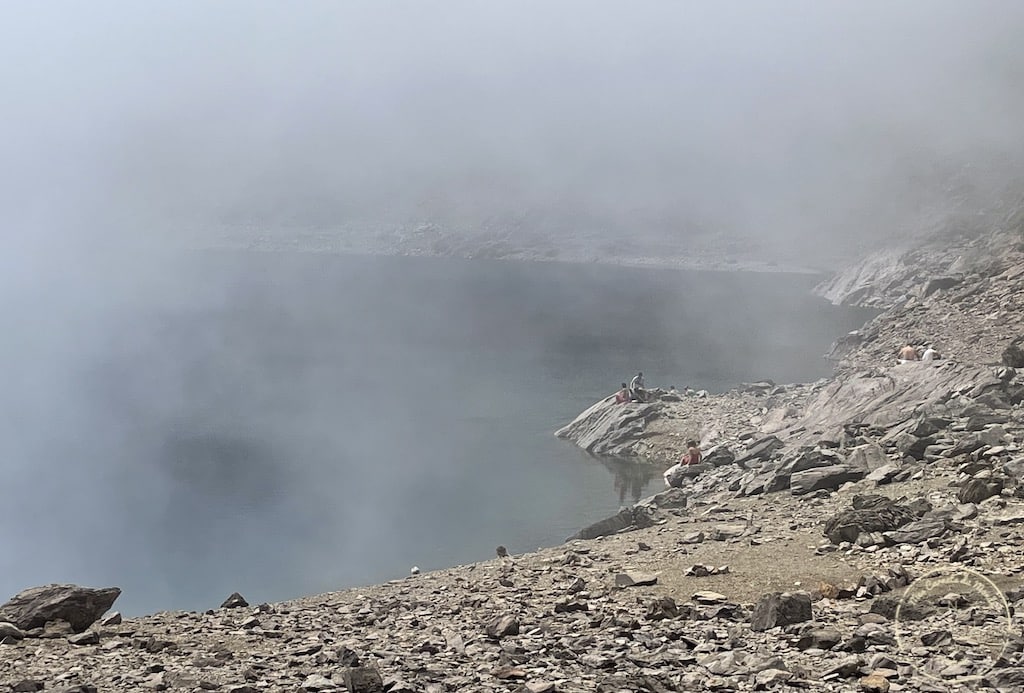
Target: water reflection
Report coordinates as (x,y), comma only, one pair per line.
(631,478)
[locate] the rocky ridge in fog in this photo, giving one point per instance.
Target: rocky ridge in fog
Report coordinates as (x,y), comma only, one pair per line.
(786,566)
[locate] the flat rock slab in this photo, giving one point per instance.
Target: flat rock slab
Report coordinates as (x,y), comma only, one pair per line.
(631,579)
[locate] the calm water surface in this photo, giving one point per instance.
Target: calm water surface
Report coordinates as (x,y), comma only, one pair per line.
(287,424)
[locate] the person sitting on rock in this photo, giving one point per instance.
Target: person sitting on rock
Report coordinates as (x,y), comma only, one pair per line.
(929,355)
(636,388)
(908,353)
(692,455)
(622,396)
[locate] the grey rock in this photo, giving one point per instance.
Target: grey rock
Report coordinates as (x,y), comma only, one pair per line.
(884,474)
(608,526)
(823,478)
(502,626)
(1013,354)
(780,609)
(78,606)
(235,601)
(917,531)
(719,456)
(89,637)
(28,686)
(9,630)
(976,490)
(364,679)
(761,450)
(869,514)
(820,638)
(608,428)
(632,579)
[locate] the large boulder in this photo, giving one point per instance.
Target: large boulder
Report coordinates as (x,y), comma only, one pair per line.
(829,478)
(613,429)
(761,449)
(78,606)
(870,513)
(780,609)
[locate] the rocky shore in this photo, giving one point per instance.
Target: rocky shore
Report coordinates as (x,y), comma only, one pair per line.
(860,533)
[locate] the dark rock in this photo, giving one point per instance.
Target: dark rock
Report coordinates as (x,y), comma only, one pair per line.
(1008,679)
(1013,355)
(28,686)
(976,490)
(980,421)
(235,601)
(89,637)
(660,609)
(760,450)
(111,619)
(780,609)
(821,638)
(566,606)
(823,478)
(869,514)
(937,637)
(9,630)
(363,680)
(966,446)
(78,606)
(501,626)
(910,445)
(917,531)
(669,498)
(719,456)
(930,425)
(938,284)
(608,526)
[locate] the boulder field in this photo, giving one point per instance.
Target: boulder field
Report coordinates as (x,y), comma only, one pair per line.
(860,533)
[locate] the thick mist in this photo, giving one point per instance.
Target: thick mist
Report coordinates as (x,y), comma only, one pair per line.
(131,133)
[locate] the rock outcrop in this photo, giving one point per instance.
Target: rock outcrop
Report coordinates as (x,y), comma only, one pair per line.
(79,607)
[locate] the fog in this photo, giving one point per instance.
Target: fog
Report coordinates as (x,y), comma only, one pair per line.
(130,131)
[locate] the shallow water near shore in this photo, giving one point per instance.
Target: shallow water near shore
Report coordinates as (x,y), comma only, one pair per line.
(284,424)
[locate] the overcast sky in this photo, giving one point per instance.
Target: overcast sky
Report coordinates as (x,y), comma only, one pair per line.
(791,119)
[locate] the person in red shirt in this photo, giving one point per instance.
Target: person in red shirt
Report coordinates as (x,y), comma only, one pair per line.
(692,455)
(622,396)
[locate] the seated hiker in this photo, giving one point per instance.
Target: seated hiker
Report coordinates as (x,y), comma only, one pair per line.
(636,388)
(622,396)
(908,353)
(929,355)
(692,455)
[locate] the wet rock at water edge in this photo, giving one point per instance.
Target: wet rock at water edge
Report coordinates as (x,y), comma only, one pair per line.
(79,607)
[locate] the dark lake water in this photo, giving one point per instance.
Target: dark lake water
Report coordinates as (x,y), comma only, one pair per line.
(287,424)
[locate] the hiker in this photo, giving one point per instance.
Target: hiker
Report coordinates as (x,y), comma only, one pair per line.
(908,353)
(929,355)
(636,388)
(692,455)
(622,396)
